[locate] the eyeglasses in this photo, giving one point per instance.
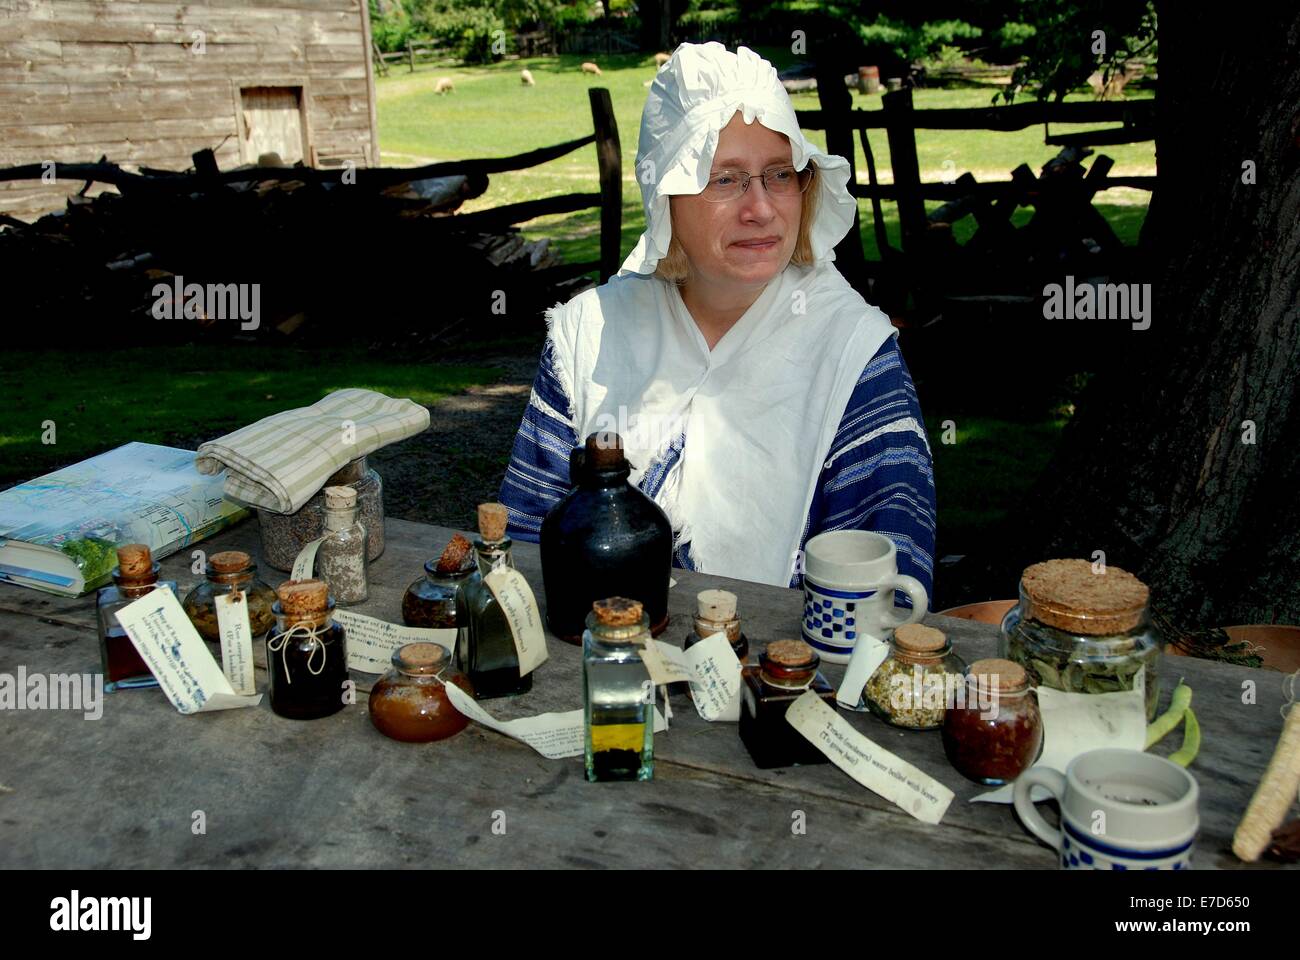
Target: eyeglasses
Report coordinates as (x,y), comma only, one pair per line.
(782,181)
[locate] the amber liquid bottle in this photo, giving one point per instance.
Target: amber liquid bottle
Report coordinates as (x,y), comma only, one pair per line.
(605,539)
(135,575)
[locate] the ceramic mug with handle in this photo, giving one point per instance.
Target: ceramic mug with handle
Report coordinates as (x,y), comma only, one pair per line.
(1120,810)
(849,581)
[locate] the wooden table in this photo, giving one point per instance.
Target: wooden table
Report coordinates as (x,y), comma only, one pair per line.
(122,791)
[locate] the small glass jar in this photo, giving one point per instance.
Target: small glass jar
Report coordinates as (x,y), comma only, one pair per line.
(994,734)
(410,701)
(306,653)
(618,700)
(135,575)
(715,612)
(1080,628)
(785,671)
(436,599)
(341,557)
(913,685)
(285,534)
(226,572)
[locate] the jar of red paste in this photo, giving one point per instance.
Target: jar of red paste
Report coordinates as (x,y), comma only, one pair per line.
(996,735)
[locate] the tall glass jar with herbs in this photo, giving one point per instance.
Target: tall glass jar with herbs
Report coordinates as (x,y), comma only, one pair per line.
(1084,627)
(341,559)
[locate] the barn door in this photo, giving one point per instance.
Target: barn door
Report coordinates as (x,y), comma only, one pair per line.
(272,123)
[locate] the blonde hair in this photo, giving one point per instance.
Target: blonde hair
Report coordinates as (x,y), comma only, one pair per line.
(675,267)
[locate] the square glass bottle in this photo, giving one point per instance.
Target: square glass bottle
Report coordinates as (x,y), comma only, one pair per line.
(617,694)
(786,669)
(135,575)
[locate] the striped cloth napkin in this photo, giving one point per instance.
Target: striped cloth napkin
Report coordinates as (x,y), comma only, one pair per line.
(279,462)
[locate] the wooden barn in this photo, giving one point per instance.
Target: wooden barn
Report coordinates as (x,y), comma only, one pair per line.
(148,83)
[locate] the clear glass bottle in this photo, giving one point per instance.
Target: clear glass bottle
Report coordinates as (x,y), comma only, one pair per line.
(912,686)
(436,600)
(1083,628)
(226,572)
(341,559)
(786,670)
(488,654)
(135,575)
(996,733)
(306,653)
(410,701)
(617,695)
(715,612)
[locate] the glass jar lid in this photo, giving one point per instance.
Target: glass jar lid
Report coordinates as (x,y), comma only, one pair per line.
(995,674)
(788,662)
(1077,597)
(917,643)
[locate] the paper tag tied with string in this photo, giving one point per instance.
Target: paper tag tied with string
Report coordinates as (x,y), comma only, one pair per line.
(305,562)
(236,641)
(519,605)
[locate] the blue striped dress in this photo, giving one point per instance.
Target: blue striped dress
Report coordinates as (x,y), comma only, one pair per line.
(878,476)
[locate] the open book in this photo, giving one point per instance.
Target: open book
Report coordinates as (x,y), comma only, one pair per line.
(59,532)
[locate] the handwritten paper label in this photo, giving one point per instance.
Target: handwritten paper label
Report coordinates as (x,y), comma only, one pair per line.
(171,647)
(305,562)
(520,608)
(868,654)
(872,766)
(1074,723)
(236,641)
(553,735)
(371,642)
(709,668)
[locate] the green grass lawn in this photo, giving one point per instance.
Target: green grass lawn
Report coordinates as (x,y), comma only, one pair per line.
(99,401)
(492,114)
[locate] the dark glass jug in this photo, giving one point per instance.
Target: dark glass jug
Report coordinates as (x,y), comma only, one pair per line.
(605,539)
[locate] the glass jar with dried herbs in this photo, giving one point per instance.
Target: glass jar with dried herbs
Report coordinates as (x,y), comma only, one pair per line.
(914,684)
(226,572)
(1082,627)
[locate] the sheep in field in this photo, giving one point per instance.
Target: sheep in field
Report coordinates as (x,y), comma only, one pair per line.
(590,67)
(526,78)
(444,86)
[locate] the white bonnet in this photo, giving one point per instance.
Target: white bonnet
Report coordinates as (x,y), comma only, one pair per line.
(693,96)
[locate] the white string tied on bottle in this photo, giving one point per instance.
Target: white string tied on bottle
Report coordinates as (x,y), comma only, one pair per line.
(280,644)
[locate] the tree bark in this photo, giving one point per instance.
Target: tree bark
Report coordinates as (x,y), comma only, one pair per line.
(1157,469)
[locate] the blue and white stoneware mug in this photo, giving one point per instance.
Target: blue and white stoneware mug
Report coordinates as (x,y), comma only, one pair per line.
(848,586)
(1120,810)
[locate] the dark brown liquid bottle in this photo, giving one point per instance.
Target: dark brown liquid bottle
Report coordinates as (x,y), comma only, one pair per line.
(605,539)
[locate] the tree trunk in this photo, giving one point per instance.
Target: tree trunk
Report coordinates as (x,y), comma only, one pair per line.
(1183,462)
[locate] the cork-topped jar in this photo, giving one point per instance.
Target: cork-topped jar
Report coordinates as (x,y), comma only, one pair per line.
(786,670)
(1082,627)
(410,701)
(487,652)
(306,653)
(994,732)
(618,716)
(226,572)
(715,612)
(135,575)
(435,600)
(911,687)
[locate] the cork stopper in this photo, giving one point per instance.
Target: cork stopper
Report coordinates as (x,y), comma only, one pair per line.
(916,638)
(994,673)
(605,451)
(229,561)
(340,498)
(617,612)
(790,654)
(303,598)
(492,519)
(134,561)
(715,604)
(1068,595)
(420,659)
(456,556)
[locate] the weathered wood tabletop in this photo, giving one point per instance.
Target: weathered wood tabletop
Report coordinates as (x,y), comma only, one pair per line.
(122,791)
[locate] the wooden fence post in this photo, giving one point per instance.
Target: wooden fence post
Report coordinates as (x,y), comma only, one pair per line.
(410,55)
(836,104)
(609,159)
(901,129)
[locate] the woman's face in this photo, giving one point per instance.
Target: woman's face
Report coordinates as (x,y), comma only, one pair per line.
(747,241)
